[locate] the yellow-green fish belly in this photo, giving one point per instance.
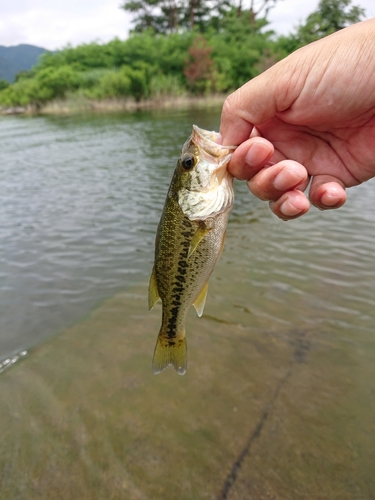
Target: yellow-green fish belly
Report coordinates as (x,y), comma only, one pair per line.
(180,277)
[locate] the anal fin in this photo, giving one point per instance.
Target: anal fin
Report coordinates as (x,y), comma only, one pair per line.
(200,301)
(153,292)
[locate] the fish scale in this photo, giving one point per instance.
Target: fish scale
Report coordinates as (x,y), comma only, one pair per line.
(189,241)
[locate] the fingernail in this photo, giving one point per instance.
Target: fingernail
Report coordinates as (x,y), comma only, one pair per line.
(330,200)
(287,179)
(258,153)
(288,209)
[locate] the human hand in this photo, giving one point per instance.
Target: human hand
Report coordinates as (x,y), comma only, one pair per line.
(312,115)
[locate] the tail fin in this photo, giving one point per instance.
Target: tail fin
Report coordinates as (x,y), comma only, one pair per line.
(170,352)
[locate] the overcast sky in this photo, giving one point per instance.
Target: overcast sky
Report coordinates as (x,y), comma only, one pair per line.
(53,24)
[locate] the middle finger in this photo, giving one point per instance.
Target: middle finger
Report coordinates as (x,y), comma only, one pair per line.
(270,183)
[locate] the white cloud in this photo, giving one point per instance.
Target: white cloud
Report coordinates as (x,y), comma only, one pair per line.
(53,24)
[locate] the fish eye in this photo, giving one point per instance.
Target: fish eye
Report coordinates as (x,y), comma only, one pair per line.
(188,162)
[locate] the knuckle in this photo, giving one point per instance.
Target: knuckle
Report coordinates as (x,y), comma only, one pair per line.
(227,110)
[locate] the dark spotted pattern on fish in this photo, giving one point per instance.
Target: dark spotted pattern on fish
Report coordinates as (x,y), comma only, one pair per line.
(187,247)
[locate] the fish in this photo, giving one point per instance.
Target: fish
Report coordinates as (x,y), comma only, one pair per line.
(189,241)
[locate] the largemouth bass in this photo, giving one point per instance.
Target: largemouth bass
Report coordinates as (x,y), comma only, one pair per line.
(189,241)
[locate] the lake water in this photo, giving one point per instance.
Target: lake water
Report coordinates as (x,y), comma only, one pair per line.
(279,398)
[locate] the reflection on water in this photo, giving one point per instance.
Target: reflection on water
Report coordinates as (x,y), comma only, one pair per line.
(278,401)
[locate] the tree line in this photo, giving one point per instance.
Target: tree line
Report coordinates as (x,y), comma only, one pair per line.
(177,47)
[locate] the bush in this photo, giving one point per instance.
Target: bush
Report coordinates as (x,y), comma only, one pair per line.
(91,78)
(3,84)
(148,65)
(20,93)
(115,83)
(166,85)
(55,82)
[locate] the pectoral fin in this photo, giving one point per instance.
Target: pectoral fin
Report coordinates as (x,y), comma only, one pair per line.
(200,301)
(153,292)
(197,238)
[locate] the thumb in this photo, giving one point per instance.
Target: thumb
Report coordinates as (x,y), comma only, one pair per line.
(252,104)
(327,192)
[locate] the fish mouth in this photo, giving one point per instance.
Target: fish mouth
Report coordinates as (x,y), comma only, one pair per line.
(206,141)
(210,190)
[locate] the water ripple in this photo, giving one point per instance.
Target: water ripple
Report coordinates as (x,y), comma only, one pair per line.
(81,199)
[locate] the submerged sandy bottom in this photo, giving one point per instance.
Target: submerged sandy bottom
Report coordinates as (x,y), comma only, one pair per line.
(259,414)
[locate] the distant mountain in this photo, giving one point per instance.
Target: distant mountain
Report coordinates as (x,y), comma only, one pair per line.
(18,58)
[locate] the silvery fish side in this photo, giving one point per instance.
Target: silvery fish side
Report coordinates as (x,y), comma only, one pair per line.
(189,241)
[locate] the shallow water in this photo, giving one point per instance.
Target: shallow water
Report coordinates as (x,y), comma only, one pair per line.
(80,200)
(278,401)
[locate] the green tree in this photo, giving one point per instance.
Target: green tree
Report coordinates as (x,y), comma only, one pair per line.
(198,68)
(240,49)
(258,9)
(3,84)
(170,16)
(197,14)
(331,16)
(149,64)
(162,16)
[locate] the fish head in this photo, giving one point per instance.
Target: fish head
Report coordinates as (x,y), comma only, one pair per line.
(205,187)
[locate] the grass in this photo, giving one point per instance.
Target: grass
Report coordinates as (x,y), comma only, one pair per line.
(77,103)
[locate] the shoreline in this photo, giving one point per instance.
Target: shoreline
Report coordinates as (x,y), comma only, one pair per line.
(79,104)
